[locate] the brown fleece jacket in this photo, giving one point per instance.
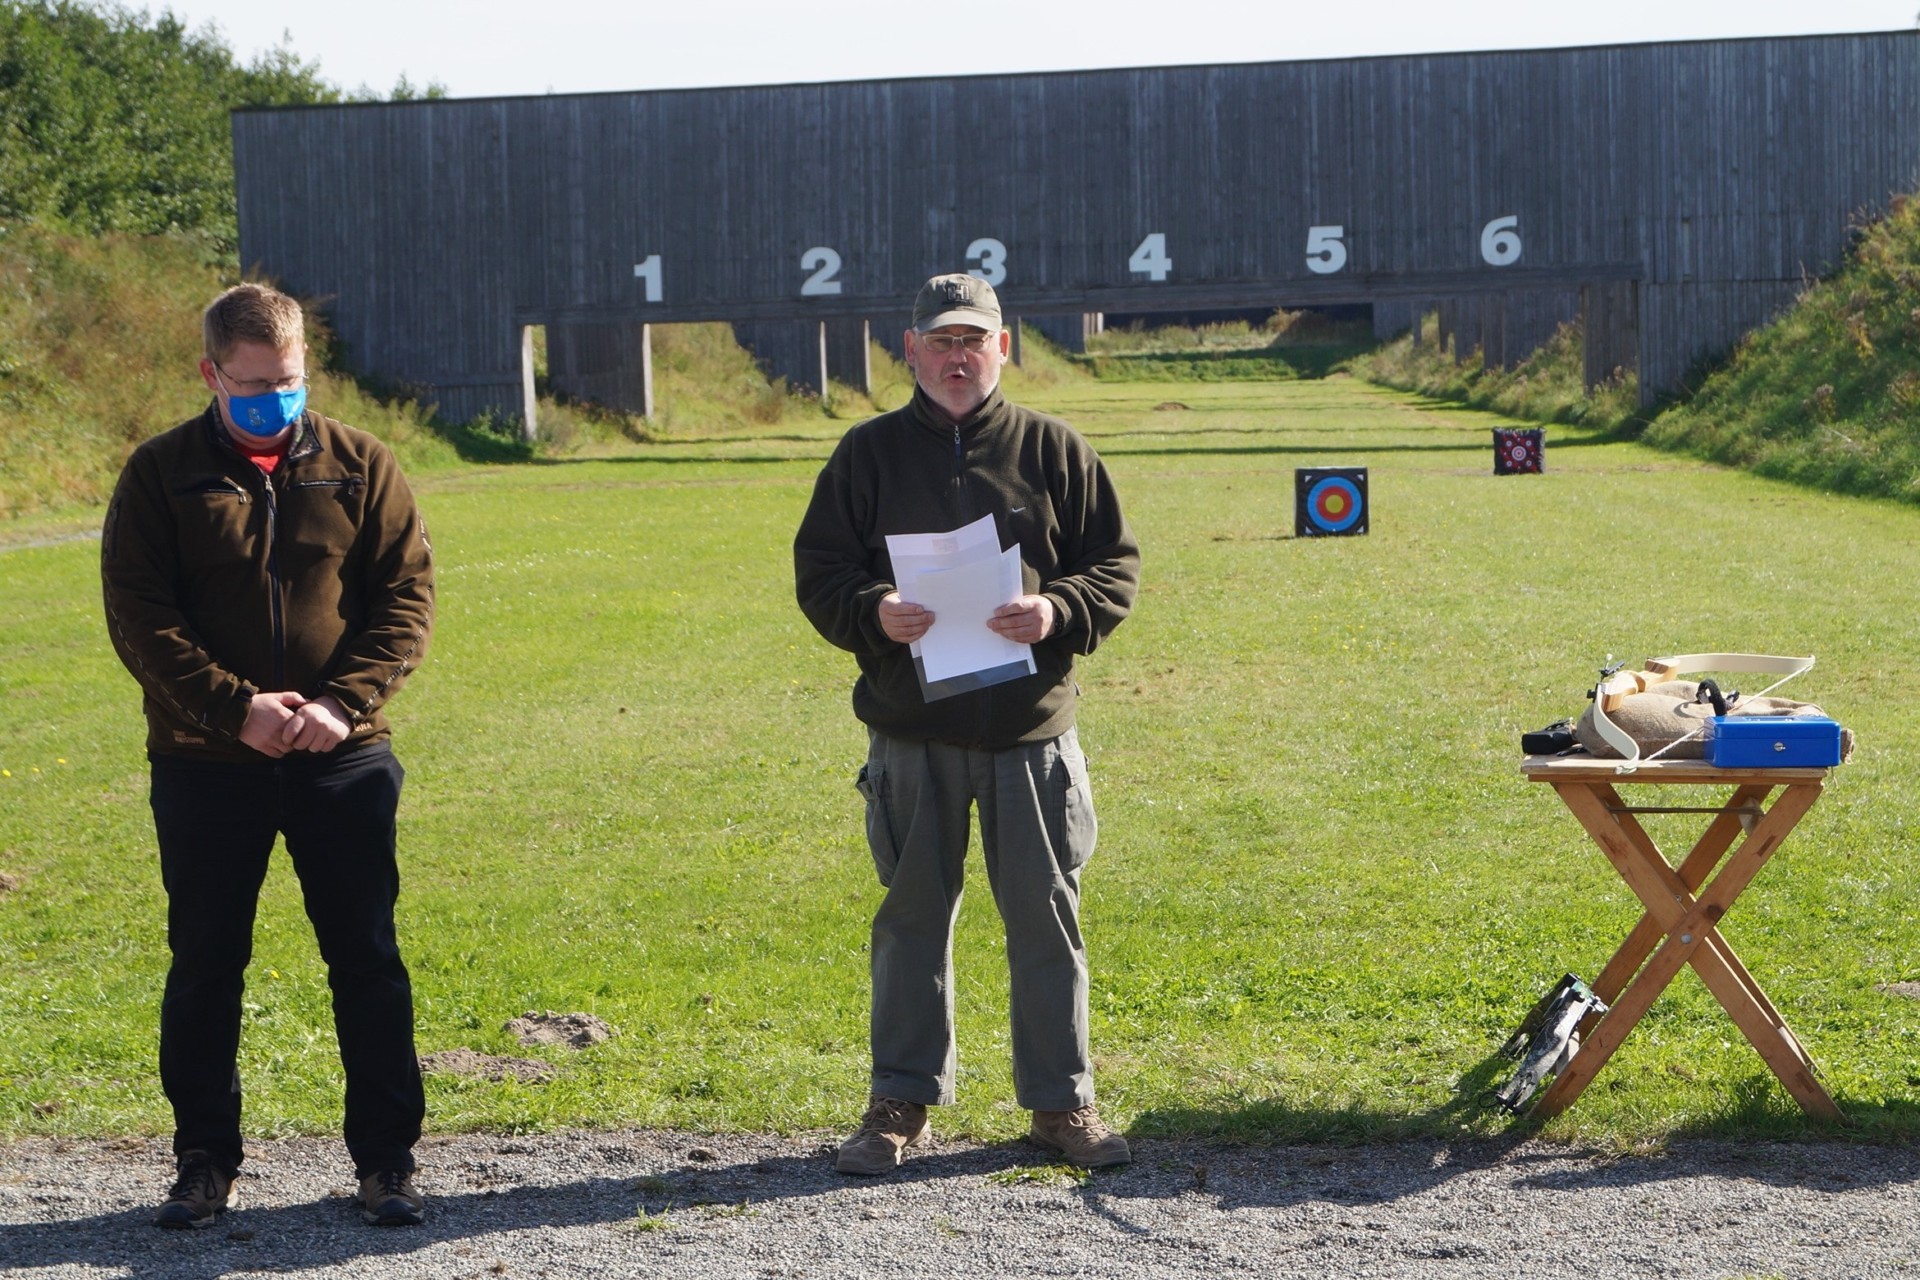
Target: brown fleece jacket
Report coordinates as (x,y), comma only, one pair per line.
(913,471)
(222,582)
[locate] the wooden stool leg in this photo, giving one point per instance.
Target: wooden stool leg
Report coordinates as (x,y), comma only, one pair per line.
(1690,936)
(1693,871)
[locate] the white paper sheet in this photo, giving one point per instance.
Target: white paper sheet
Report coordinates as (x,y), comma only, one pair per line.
(962,599)
(961,577)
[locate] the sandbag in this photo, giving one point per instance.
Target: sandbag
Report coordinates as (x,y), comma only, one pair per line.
(1667,711)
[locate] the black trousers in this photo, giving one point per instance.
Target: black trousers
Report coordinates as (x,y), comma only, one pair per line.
(217,822)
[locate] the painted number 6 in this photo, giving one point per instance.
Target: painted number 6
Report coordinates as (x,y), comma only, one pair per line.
(1500,241)
(822,281)
(992,256)
(1325,253)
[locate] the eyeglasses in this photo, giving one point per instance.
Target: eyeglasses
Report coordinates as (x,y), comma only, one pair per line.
(941,343)
(262,386)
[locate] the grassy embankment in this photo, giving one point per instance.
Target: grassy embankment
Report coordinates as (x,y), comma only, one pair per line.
(1323,895)
(1548,386)
(1827,395)
(99,338)
(1286,346)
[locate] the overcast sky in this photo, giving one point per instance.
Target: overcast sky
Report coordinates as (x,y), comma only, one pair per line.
(481,48)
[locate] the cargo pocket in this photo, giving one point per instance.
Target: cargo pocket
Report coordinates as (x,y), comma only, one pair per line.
(871,783)
(1079,829)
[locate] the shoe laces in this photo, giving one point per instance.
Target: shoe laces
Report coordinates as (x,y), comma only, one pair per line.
(393,1182)
(197,1177)
(885,1114)
(1088,1119)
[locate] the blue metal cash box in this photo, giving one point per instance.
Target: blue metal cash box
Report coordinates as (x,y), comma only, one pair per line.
(1781,742)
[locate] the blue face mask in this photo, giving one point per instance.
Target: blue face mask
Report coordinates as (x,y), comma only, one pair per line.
(269,413)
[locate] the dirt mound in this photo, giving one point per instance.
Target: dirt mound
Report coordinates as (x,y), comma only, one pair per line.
(487,1066)
(574,1030)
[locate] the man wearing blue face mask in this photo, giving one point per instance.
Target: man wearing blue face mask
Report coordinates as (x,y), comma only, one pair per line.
(269,584)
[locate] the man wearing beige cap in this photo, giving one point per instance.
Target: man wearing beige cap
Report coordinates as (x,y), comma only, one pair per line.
(1002,740)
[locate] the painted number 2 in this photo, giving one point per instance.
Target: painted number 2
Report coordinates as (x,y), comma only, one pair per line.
(821,282)
(992,257)
(1500,241)
(1150,259)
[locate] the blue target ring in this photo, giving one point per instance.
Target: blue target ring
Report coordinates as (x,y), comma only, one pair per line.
(1335,504)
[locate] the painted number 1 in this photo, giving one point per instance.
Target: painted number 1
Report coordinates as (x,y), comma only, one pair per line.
(1150,259)
(650,272)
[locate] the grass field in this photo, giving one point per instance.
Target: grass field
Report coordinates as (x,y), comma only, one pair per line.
(1323,894)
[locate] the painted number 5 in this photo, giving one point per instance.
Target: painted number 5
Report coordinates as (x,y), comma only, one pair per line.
(1500,241)
(822,281)
(1150,259)
(992,256)
(1325,253)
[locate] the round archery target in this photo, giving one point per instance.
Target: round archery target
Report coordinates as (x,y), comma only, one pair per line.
(1335,504)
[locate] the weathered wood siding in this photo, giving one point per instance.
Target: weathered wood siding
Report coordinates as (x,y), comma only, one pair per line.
(1713,176)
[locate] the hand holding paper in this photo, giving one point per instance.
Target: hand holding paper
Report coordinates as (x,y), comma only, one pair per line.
(963,579)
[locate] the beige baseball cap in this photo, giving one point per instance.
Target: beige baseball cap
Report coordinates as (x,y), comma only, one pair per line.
(955,299)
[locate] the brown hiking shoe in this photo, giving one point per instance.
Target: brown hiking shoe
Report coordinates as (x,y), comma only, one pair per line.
(201,1193)
(889,1128)
(387,1199)
(1081,1137)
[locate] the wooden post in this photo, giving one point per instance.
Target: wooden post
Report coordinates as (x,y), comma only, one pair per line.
(790,349)
(528,400)
(849,357)
(644,358)
(1015,355)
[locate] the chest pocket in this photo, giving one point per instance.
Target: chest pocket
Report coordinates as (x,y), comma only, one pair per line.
(320,518)
(215,516)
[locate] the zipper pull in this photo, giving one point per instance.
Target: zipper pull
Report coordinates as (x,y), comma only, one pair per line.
(956,440)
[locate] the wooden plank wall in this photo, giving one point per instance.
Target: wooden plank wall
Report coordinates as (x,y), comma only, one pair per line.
(1716,175)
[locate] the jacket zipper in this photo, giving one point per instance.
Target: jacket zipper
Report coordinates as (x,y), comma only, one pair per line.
(349,483)
(223,485)
(273,585)
(960,483)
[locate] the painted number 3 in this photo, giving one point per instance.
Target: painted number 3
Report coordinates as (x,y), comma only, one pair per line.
(991,257)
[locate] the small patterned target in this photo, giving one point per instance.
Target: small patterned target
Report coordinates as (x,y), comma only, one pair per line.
(1519,451)
(1329,501)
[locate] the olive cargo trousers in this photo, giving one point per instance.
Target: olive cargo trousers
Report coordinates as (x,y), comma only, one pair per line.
(1037,827)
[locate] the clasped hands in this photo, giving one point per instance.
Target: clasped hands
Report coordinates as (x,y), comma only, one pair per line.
(1023,621)
(280,723)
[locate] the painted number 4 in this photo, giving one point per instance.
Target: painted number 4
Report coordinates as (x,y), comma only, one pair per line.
(1150,259)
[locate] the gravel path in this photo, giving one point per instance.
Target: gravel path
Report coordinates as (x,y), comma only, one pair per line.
(571,1205)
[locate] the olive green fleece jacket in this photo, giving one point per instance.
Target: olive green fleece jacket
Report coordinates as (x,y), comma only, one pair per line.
(221,581)
(914,471)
